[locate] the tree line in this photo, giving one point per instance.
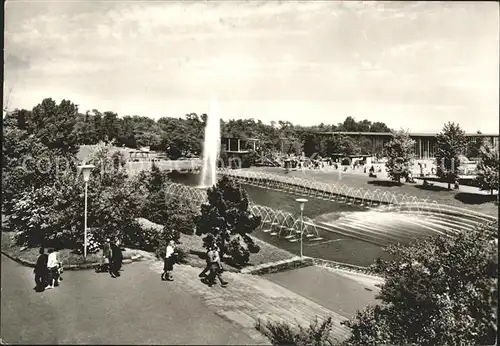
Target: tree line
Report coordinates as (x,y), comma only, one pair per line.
(182,136)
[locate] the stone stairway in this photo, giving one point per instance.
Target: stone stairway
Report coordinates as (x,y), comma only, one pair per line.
(249,298)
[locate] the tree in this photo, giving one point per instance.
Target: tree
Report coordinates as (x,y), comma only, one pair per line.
(350,125)
(27,164)
(379,127)
(399,151)
(474,147)
(487,168)
(450,145)
(111,125)
(86,132)
(226,221)
(437,291)
(55,125)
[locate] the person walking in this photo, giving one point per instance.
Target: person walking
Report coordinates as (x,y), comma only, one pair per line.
(53,269)
(209,263)
(168,263)
(215,268)
(106,256)
(116,259)
(41,271)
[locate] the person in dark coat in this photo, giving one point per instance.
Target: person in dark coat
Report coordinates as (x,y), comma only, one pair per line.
(41,271)
(116,259)
(106,256)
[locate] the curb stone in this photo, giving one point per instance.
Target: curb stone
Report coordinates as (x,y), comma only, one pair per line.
(278,266)
(81,266)
(344,266)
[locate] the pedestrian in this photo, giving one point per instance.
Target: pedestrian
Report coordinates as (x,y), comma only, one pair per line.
(41,271)
(116,259)
(215,268)
(106,256)
(207,267)
(53,269)
(168,262)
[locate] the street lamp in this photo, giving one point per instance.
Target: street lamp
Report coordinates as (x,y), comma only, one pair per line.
(86,170)
(302,202)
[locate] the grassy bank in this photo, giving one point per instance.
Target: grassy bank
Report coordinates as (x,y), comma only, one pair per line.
(192,245)
(65,255)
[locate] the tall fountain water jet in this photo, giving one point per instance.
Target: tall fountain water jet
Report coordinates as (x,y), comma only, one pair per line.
(211,147)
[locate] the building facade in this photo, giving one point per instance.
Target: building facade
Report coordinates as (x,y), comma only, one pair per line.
(425,143)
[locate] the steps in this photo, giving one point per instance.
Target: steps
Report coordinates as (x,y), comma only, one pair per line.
(249,298)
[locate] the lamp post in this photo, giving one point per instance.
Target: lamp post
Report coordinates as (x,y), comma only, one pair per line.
(302,202)
(86,170)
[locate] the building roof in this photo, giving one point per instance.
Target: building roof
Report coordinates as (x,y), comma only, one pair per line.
(412,134)
(243,139)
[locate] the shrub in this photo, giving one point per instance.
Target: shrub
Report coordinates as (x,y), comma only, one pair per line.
(437,291)
(143,234)
(167,234)
(239,254)
(93,244)
(226,221)
(318,333)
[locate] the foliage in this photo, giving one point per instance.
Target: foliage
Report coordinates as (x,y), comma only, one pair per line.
(399,152)
(54,213)
(474,147)
(437,291)
(451,144)
(94,244)
(318,334)
(168,234)
(114,200)
(54,125)
(49,215)
(226,221)
(487,169)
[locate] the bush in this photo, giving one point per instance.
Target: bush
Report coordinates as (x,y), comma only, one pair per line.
(143,234)
(93,244)
(253,248)
(281,333)
(238,253)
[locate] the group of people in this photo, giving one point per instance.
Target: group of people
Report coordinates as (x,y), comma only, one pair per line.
(212,271)
(112,258)
(48,270)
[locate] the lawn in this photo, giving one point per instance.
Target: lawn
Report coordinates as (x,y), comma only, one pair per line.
(192,245)
(478,202)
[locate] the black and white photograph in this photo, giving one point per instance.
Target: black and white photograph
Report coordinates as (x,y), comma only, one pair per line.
(243,172)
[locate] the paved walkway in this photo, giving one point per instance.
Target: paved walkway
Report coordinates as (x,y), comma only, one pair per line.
(90,308)
(339,291)
(139,308)
(248,298)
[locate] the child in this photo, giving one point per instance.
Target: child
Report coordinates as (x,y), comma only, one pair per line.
(53,269)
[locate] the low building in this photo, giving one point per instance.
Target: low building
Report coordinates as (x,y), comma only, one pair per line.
(235,152)
(425,143)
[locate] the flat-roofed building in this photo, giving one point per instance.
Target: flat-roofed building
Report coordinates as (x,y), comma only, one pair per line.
(425,143)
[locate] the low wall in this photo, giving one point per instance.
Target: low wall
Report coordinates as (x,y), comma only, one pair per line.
(279,266)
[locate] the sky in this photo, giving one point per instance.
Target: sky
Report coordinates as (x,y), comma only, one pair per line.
(412,65)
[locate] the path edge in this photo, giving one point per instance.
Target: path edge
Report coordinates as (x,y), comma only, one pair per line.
(83,266)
